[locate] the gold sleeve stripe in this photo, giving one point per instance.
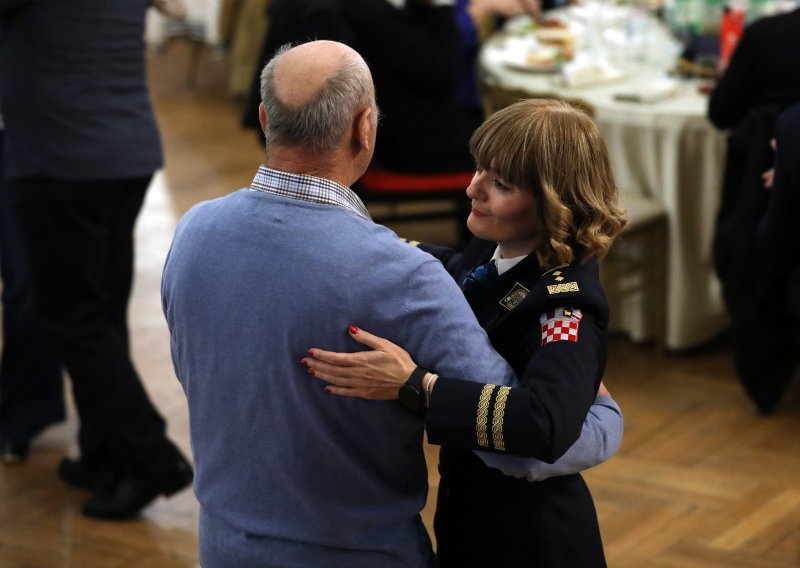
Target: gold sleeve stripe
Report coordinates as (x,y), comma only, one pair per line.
(483,412)
(498,417)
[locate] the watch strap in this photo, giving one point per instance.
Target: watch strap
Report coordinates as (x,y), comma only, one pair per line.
(416,376)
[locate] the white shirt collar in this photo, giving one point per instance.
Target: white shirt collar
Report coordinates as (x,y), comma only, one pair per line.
(505,264)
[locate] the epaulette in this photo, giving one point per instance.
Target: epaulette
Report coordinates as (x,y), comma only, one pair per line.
(565,280)
(560,281)
(412,243)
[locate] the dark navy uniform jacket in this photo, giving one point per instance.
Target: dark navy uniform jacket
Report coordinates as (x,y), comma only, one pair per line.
(552,327)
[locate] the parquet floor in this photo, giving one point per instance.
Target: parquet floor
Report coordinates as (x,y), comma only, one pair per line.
(701,481)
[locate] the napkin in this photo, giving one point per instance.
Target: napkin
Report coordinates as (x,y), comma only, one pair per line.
(589,69)
(648,91)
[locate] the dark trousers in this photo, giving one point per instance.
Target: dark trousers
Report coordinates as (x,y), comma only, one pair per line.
(31,384)
(79,236)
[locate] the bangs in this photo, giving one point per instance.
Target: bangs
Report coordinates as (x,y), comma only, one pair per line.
(500,144)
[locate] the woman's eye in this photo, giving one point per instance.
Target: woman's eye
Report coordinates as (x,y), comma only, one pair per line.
(499,184)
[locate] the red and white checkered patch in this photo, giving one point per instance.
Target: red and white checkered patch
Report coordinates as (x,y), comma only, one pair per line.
(561,324)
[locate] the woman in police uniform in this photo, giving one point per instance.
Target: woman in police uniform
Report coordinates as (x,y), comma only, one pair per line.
(544,209)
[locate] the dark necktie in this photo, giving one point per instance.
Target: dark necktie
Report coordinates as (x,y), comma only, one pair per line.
(478,278)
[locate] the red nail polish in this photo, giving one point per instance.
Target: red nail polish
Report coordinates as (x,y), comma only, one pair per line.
(353,329)
(310,372)
(303,363)
(328,390)
(310,353)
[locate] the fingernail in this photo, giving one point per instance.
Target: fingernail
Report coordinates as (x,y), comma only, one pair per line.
(303,362)
(353,329)
(310,371)
(310,353)
(328,390)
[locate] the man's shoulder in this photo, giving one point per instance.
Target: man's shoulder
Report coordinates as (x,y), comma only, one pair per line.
(405,253)
(215,206)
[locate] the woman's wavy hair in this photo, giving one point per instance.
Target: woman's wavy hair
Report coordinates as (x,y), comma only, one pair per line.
(556,150)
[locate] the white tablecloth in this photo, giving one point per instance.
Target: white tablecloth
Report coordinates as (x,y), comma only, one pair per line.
(667,150)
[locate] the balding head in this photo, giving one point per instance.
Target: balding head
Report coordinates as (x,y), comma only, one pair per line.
(302,72)
(312,92)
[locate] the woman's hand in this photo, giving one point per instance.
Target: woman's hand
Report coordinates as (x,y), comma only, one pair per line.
(374,375)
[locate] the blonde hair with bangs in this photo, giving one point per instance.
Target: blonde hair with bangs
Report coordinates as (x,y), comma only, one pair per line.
(555,149)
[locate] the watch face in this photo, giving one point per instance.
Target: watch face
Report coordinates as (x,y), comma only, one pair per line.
(411,398)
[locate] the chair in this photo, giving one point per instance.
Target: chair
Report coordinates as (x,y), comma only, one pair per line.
(635,268)
(394,188)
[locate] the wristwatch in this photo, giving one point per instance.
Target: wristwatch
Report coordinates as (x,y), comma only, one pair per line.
(411,394)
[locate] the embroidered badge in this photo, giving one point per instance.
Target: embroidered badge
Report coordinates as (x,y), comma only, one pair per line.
(560,324)
(515,296)
(561,288)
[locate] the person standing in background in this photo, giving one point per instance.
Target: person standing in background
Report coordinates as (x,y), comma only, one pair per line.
(31,385)
(413,49)
(81,147)
(759,80)
(758,73)
(778,244)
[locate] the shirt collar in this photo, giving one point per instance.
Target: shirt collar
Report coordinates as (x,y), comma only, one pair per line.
(308,188)
(506,264)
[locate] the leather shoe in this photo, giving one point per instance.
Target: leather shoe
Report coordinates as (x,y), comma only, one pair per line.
(129,495)
(13,451)
(78,474)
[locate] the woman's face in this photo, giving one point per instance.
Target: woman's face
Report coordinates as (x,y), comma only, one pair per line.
(503,212)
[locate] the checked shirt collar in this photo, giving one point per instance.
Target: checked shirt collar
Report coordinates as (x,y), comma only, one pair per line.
(308,188)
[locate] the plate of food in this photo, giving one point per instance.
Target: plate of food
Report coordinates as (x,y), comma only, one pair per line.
(531,56)
(558,36)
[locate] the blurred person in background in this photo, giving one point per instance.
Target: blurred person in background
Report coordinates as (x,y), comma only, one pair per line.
(758,73)
(414,51)
(778,242)
(81,147)
(31,385)
(759,81)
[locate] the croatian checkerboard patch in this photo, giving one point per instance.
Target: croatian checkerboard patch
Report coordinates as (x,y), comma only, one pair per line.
(560,324)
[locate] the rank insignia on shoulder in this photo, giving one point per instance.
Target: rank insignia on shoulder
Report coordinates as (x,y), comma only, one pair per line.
(515,296)
(561,288)
(412,243)
(560,324)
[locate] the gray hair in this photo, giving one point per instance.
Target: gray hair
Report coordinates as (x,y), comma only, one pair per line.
(321,122)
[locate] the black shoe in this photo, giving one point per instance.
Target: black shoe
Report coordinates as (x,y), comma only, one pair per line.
(13,451)
(77,474)
(126,498)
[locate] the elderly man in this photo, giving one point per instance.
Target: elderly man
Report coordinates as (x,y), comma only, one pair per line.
(288,475)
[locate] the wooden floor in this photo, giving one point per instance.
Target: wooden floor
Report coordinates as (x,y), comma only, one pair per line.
(701,480)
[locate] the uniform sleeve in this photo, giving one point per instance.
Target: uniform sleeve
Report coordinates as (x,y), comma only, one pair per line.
(600,439)
(544,416)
